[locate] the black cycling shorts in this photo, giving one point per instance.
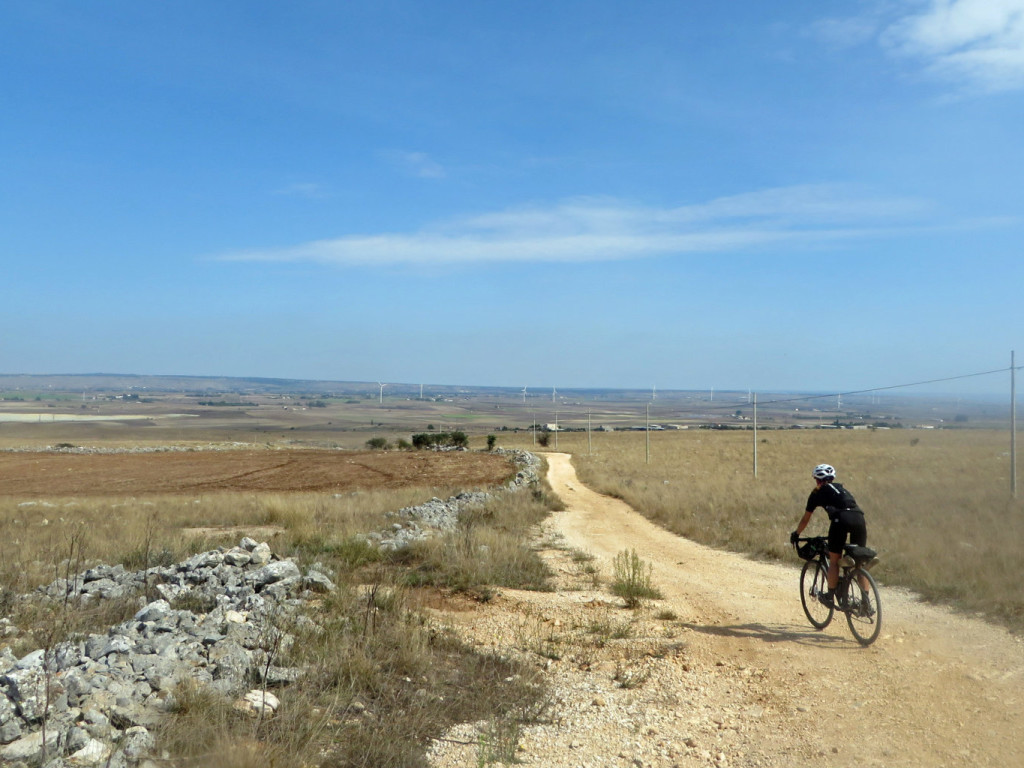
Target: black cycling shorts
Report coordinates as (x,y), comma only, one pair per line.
(848,522)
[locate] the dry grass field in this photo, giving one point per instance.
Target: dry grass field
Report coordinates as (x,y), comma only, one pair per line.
(26,474)
(937,501)
(61,513)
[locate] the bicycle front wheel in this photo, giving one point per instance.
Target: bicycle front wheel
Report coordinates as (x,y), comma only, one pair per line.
(865,612)
(814,582)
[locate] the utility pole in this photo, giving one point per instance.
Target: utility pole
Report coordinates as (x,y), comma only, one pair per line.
(755,435)
(647,433)
(1013,425)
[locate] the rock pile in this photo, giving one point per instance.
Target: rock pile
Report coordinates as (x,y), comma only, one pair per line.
(423,520)
(99,696)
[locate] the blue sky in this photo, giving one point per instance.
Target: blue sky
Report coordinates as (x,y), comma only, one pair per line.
(787,195)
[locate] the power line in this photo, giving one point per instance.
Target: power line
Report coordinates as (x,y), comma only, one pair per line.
(729,407)
(891,386)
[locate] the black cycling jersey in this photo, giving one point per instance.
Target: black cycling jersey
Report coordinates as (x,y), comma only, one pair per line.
(847,519)
(833,497)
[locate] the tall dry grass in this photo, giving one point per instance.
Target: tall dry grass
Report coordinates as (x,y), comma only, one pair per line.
(937,501)
(380,683)
(39,538)
(490,547)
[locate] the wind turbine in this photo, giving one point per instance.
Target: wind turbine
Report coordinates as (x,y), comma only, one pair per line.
(524,395)
(552,394)
(381,385)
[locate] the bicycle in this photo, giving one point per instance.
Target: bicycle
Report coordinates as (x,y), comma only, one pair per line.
(856,594)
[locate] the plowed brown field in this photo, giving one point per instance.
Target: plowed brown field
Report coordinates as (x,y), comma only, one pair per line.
(280,471)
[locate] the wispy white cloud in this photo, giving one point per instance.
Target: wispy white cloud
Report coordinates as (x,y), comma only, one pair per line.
(418,164)
(977,44)
(601,229)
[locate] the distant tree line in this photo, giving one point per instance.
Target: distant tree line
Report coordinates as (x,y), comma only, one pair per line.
(440,440)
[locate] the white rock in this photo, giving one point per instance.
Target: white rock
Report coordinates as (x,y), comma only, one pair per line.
(155,611)
(93,753)
(257,701)
(261,554)
(28,747)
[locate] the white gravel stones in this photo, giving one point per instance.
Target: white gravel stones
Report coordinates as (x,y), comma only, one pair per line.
(100,695)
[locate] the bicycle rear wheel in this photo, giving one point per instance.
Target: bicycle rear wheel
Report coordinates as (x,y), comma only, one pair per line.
(814,582)
(865,612)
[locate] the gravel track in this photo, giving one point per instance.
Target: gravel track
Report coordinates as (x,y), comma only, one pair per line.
(726,671)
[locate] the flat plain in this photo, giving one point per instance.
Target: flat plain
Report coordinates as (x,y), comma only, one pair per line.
(38,474)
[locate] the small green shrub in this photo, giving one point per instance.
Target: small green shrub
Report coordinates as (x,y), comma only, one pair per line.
(632,579)
(499,741)
(378,444)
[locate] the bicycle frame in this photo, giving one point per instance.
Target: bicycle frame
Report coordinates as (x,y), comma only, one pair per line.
(860,603)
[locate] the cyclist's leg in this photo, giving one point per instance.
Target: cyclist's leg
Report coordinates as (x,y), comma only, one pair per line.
(854,521)
(836,539)
(833,570)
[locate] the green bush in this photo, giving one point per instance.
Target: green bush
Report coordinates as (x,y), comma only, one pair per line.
(377,444)
(632,581)
(440,440)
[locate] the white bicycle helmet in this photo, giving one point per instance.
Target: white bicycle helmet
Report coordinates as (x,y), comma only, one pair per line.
(824,472)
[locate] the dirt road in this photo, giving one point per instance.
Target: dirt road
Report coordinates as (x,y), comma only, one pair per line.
(726,670)
(935,689)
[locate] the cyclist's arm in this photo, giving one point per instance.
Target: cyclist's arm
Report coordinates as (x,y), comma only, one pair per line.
(804,521)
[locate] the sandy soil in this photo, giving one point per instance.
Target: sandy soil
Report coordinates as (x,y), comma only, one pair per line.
(739,677)
(46,474)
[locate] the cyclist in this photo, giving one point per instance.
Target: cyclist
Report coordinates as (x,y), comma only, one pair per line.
(847,521)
